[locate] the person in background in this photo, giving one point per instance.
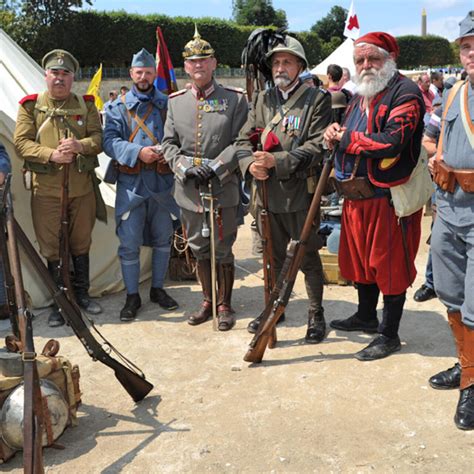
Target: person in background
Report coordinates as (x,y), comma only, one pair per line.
(334,74)
(428,96)
(437,83)
(346,82)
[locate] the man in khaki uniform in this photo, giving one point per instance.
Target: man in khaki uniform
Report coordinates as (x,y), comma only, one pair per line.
(288,165)
(57,128)
(202,124)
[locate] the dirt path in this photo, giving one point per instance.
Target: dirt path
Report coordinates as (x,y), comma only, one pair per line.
(304,409)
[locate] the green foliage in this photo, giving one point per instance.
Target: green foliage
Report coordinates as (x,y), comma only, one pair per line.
(332,25)
(258,13)
(416,51)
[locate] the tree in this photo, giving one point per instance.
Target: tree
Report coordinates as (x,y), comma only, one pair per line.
(258,13)
(332,25)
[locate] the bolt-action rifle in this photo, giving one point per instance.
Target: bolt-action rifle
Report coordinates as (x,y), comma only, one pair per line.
(33,405)
(281,292)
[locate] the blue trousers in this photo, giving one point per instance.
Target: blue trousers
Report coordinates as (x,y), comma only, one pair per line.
(452,250)
(154,220)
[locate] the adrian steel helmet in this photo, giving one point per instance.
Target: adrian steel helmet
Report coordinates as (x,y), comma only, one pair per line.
(291,45)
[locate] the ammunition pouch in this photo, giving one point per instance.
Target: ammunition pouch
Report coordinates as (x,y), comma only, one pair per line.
(446,177)
(354,188)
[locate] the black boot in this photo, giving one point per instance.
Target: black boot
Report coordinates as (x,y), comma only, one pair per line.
(316,331)
(81,285)
(55,318)
(365,319)
(159,295)
(464,417)
(132,305)
(447,379)
(388,342)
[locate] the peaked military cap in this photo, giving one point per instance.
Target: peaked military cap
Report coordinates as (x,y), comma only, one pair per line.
(466,27)
(143,59)
(197,48)
(60,59)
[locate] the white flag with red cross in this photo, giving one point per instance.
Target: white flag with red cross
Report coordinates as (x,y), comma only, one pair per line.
(352,29)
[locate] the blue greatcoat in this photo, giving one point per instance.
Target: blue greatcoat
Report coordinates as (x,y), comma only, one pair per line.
(144,206)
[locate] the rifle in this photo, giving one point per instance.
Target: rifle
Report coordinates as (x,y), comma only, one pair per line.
(131,377)
(64,256)
(9,280)
(267,257)
(281,292)
(33,403)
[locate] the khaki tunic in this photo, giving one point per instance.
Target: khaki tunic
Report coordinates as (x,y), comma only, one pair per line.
(86,128)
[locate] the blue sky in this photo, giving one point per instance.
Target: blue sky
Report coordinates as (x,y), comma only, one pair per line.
(396,17)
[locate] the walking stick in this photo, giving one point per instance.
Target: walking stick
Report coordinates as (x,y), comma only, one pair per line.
(207,196)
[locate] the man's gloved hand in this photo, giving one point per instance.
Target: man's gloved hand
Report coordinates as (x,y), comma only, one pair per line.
(201,174)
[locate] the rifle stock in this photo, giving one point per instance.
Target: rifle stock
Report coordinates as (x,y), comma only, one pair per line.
(134,383)
(282,291)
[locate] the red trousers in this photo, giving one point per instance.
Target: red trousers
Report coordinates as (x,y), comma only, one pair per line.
(371,246)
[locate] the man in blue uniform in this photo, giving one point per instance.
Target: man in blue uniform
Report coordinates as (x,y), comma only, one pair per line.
(452,242)
(144,207)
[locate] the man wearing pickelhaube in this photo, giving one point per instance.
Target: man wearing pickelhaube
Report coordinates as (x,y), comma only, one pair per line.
(201,126)
(293,117)
(144,205)
(450,137)
(54,128)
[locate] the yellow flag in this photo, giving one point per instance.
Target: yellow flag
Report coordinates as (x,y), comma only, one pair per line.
(94,88)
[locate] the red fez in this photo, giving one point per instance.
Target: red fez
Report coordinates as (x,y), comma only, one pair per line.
(380,39)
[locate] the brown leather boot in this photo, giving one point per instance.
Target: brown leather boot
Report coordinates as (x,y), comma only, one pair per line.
(464,337)
(225,313)
(203,268)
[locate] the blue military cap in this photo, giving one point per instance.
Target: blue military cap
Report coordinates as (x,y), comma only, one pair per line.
(466,27)
(143,59)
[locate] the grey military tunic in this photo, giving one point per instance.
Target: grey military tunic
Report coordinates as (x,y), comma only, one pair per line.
(453,231)
(200,128)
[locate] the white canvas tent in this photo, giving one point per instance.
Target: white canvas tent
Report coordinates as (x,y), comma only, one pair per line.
(20,76)
(342,56)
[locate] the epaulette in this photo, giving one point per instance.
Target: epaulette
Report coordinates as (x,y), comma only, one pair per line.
(177,93)
(89,98)
(239,90)
(27,98)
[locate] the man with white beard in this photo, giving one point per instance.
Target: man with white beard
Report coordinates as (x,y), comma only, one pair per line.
(378,147)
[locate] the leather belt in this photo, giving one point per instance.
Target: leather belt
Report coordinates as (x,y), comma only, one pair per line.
(446,177)
(196,161)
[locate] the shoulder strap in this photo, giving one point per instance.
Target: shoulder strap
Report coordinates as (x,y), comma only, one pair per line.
(140,122)
(452,94)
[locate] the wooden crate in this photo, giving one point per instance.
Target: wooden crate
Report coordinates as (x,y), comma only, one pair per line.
(332,274)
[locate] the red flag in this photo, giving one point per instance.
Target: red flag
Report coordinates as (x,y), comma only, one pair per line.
(352,29)
(165,76)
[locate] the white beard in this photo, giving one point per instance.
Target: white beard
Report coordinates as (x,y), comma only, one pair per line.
(377,80)
(282,81)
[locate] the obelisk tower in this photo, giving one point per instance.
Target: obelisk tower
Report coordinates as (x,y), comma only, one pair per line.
(423,22)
